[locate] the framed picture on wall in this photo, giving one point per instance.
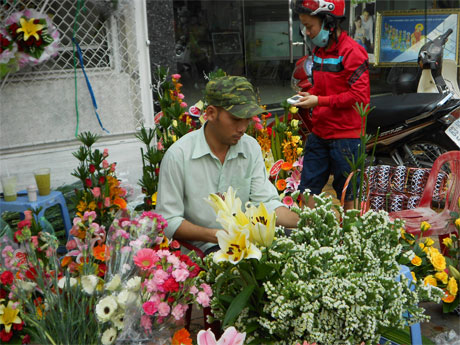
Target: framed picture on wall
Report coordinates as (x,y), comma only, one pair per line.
(362,24)
(401,34)
(226,43)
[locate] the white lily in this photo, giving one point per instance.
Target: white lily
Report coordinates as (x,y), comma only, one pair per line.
(227,202)
(261,225)
(235,245)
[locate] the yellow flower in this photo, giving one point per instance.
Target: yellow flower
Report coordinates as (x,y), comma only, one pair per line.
(262,225)
(154,198)
(299,151)
(81,206)
(421,245)
(448,298)
(295,139)
(174,123)
(447,241)
(430,280)
(92,206)
(174,138)
(293,110)
(429,242)
(29,28)
(424,226)
(235,245)
(294,123)
(452,286)
(438,261)
(416,261)
(442,277)
(457,222)
(414,278)
(9,316)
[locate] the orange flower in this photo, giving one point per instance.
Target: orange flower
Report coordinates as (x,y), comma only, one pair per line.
(121,203)
(66,260)
(99,252)
(181,337)
(281,184)
(286,166)
(448,298)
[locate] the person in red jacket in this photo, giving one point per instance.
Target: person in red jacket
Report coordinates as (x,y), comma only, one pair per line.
(340,80)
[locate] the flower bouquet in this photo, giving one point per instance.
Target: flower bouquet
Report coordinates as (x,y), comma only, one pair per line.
(149,283)
(101,191)
(36,36)
(328,282)
(8,49)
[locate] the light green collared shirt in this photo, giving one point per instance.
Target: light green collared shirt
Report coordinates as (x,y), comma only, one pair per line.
(190,172)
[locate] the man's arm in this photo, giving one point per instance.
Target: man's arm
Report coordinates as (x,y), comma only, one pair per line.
(190,232)
(286,217)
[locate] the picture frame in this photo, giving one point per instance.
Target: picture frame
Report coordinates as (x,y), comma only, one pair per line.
(226,43)
(418,27)
(362,24)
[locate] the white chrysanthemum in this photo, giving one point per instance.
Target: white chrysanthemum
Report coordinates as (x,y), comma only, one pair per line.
(105,308)
(114,283)
(63,282)
(134,284)
(109,336)
(89,283)
(126,298)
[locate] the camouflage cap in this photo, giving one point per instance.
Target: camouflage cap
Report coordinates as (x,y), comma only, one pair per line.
(235,94)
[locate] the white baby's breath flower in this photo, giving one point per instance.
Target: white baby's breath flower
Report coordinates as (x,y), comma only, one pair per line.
(105,308)
(109,336)
(126,298)
(114,283)
(134,284)
(63,282)
(89,283)
(25,286)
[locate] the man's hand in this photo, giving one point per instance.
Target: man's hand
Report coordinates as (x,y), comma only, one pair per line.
(307,101)
(190,232)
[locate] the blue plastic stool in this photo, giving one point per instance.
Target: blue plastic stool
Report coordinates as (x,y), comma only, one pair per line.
(415,330)
(22,204)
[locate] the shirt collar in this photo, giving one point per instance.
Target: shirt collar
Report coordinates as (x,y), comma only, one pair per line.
(202,148)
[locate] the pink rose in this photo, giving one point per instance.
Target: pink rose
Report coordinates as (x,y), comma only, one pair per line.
(105,153)
(160,146)
(28,215)
(112,167)
(180,96)
(107,202)
(193,290)
(105,164)
(183,105)
(96,192)
(71,244)
(207,289)
(149,307)
(176,76)
(180,275)
(179,311)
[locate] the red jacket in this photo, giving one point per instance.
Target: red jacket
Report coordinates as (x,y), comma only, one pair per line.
(340,79)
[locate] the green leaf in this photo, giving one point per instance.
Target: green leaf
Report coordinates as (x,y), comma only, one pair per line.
(449,307)
(237,305)
(262,271)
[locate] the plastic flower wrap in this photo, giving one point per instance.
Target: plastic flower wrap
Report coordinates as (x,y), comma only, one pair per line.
(36,36)
(149,283)
(8,49)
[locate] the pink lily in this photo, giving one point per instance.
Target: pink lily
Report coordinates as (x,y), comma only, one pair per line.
(230,337)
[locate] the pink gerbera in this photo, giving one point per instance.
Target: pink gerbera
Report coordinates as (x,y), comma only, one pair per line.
(145,258)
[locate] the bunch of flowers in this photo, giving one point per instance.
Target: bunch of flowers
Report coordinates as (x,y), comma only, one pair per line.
(149,282)
(36,37)
(431,266)
(54,303)
(101,191)
(173,122)
(328,282)
(8,49)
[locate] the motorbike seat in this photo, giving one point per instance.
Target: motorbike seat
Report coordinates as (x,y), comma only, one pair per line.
(393,109)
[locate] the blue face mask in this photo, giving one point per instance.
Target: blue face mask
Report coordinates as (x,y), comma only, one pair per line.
(322,38)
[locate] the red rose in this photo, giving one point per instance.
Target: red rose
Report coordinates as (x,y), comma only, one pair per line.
(16,234)
(157,171)
(18,326)
(99,205)
(24,223)
(92,168)
(175,244)
(6,278)
(88,182)
(26,339)
(31,273)
(6,336)
(101,180)
(3,293)
(171,299)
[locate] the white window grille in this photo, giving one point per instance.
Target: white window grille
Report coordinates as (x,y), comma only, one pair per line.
(107,37)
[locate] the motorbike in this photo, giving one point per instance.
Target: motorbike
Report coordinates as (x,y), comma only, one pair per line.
(411,127)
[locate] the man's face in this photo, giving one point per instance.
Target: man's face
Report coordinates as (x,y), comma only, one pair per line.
(312,24)
(365,16)
(228,128)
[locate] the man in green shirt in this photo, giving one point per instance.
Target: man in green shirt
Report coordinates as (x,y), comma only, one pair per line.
(210,160)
